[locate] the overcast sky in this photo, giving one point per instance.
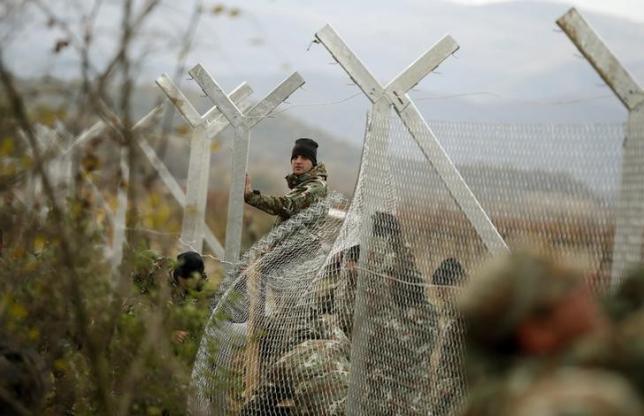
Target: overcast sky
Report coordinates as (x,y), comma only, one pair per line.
(513,64)
(628,9)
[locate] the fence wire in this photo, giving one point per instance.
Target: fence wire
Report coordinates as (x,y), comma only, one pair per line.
(330,317)
(348,307)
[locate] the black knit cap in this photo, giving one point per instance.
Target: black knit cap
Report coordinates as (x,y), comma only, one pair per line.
(307,148)
(189,263)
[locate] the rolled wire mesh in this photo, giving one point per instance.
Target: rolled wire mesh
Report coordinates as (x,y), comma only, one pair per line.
(263,313)
(357,316)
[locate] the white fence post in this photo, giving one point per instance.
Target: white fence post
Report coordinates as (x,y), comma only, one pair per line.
(243,122)
(395,94)
(212,123)
(627,245)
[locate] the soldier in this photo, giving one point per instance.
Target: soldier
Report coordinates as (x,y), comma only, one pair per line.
(300,338)
(628,297)
(310,379)
(562,391)
(524,304)
(397,325)
(336,280)
(574,391)
(184,277)
(185,274)
(307,184)
(523,311)
(449,388)
(344,296)
(188,274)
(621,347)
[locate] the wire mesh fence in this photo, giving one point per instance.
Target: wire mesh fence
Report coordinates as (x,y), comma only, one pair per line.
(356,316)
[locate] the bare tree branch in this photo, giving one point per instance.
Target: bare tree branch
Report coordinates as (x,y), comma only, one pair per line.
(97,361)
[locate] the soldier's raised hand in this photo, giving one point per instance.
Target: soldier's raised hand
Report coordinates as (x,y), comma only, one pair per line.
(179,336)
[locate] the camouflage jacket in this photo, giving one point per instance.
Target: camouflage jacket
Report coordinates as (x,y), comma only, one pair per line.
(305,189)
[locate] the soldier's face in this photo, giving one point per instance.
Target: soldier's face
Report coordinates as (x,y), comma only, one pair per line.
(300,165)
(573,317)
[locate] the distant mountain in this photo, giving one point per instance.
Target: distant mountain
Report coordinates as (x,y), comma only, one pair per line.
(513,65)
(553,167)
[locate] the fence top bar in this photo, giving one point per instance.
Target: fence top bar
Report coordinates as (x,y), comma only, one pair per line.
(601,58)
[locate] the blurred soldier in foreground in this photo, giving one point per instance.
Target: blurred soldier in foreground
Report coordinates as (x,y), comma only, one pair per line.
(571,391)
(307,184)
(621,348)
(525,305)
(523,314)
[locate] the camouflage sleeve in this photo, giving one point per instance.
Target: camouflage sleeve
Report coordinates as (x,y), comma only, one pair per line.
(290,204)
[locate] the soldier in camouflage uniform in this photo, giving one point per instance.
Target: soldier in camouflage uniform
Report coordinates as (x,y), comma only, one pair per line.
(398,326)
(307,184)
(561,391)
(310,374)
(184,277)
(310,379)
(523,314)
(449,387)
(620,348)
(344,293)
(573,391)
(334,294)
(306,349)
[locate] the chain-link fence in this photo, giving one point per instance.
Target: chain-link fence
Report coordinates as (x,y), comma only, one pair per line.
(349,309)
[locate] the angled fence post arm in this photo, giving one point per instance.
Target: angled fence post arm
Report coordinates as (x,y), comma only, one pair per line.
(348,60)
(601,58)
(277,96)
(418,70)
(179,100)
